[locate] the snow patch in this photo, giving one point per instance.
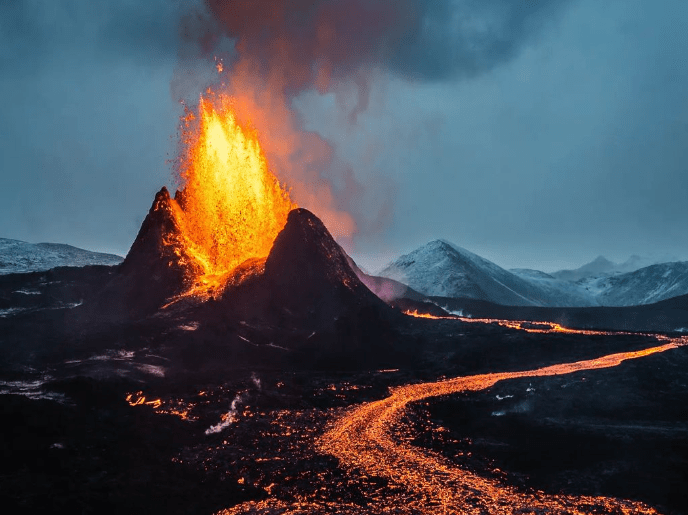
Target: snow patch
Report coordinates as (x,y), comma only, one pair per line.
(28,292)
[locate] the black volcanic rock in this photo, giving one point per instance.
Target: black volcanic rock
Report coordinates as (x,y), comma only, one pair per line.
(155,269)
(309,273)
(306,282)
(303,303)
(308,299)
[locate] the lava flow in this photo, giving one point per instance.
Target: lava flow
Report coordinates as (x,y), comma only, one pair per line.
(366,442)
(232,206)
(417,314)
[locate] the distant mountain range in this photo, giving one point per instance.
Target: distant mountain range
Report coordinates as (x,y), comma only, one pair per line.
(441,269)
(20,256)
(602,266)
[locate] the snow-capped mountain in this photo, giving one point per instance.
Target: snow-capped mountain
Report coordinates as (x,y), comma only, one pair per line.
(441,269)
(444,270)
(601,266)
(645,286)
(597,267)
(20,256)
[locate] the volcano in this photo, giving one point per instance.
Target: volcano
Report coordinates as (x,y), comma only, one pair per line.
(304,297)
(306,276)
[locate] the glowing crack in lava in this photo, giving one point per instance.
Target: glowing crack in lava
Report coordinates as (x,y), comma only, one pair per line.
(232,206)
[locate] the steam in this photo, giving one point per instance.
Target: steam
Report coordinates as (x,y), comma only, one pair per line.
(268,52)
(256,380)
(231,416)
(228,418)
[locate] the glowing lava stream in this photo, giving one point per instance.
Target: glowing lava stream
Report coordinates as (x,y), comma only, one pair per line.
(423,481)
(363,440)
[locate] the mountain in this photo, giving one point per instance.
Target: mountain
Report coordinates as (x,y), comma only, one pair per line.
(20,256)
(601,266)
(440,269)
(302,305)
(445,270)
(598,266)
(307,281)
(306,278)
(645,286)
(155,269)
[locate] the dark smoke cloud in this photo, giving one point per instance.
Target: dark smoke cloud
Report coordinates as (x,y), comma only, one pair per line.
(447,39)
(282,48)
(274,50)
(324,40)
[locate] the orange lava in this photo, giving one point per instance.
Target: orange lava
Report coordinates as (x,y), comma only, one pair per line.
(536,327)
(417,314)
(366,441)
(363,440)
(138,399)
(232,205)
(169,407)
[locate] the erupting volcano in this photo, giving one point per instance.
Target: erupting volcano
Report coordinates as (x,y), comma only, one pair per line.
(232,206)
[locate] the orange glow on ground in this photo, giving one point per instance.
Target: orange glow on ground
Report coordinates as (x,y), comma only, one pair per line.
(536,327)
(138,399)
(364,440)
(415,313)
(368,441)
(232,205)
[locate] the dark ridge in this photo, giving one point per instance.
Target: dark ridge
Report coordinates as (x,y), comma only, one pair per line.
(309,300)
(309,273)
(155,269)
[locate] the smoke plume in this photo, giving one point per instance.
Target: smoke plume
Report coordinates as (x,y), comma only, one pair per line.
(270,51)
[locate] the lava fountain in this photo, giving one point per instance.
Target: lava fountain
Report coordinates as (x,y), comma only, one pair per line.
(232,206)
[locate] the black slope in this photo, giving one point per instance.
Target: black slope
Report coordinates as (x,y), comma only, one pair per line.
(309,274)
(307,299)
(155,269)
(306,281)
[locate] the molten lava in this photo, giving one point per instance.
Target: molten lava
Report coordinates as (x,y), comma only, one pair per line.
(232,206)
(418,314)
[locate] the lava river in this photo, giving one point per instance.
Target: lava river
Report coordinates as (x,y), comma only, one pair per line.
(365,440)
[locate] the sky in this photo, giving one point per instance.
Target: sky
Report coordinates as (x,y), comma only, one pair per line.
(538,134)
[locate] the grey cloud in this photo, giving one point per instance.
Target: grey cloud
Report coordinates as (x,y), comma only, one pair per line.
(418,39)
(463,38)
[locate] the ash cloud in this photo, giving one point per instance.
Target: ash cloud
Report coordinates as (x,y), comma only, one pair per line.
(279,49)
(323,42)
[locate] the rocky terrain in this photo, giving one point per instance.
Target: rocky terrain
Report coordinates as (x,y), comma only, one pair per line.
(120,392)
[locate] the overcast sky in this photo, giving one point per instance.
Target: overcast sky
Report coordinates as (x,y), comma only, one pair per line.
(564,138)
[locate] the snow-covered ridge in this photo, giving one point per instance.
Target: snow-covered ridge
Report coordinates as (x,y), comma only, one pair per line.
(20,256)
(442,269)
